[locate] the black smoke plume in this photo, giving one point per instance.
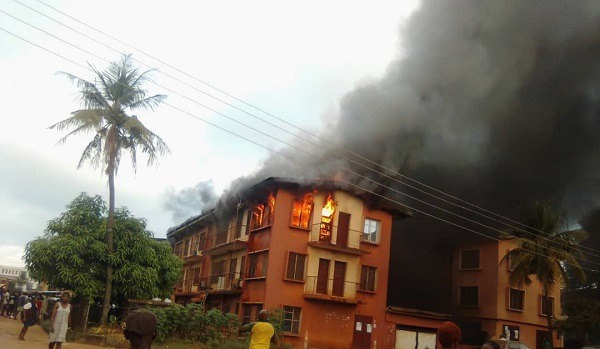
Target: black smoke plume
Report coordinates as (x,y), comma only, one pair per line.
(494,102)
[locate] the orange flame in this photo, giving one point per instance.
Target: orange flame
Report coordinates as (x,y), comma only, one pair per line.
(329,208)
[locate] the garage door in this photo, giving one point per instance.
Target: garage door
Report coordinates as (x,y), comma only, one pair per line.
(410,339)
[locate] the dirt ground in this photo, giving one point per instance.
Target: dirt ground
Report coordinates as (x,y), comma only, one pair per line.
(35,338)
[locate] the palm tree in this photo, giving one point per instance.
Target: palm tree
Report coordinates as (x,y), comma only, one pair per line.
(106,104)
(545,251)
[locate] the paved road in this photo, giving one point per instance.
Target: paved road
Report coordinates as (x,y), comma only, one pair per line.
(35,338)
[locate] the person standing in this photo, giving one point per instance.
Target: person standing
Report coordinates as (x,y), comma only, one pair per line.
(140,328)
(30,314)
(262,332)
(60,321)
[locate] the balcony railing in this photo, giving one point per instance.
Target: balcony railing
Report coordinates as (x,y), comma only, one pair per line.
(332,290)
(328,244)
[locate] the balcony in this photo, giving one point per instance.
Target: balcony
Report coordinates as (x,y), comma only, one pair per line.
(226,283)
(188,287)
(332,290)
(315,240)
(231,246)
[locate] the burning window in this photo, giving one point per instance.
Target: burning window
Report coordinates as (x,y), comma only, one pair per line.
(302,211)
(263,214)
(327,220)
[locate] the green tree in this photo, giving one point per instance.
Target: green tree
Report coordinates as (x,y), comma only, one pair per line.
(107,102)
(22,280)
(72,254)
(546,252)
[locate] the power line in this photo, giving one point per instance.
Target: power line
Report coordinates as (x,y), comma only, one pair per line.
(462,204)
(245,138)
(396,173)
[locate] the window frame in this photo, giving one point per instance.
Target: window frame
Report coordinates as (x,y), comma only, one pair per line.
(367,237)
(302,203)
(461,260)
(296,318)
(253,260)
(543,311)
(461,299)
(364,286)
(510,299)
(295,271)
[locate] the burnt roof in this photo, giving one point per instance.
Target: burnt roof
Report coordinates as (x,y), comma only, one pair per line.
(261,190)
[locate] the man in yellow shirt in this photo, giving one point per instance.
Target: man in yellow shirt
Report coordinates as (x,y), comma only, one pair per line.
(263,333)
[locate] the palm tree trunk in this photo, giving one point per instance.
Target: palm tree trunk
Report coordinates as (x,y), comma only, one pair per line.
(109,245)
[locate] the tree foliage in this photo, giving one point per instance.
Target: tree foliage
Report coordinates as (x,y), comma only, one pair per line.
(72,254)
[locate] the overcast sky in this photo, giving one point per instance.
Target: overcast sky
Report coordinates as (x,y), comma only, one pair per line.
(294,61)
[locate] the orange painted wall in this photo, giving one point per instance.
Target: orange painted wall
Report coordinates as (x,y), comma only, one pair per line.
(492,279)
(320,319)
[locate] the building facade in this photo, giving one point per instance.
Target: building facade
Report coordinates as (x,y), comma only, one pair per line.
(488,306)
(317,252)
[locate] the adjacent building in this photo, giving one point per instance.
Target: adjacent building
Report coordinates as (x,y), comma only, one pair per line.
(487,306)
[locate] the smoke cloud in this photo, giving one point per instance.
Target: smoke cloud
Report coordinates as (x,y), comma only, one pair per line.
(494,102)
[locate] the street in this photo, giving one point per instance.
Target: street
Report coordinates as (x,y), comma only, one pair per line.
(35,338)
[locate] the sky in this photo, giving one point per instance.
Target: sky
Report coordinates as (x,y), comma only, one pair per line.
(292,60)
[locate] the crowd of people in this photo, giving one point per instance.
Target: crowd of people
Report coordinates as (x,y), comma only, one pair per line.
(12,303)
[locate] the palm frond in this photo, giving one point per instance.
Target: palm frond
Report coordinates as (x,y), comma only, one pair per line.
(147,102)
(92,151)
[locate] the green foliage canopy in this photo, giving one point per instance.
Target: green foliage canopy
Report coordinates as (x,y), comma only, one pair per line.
(72,254)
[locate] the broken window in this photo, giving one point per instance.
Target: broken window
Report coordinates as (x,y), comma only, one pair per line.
(263,214)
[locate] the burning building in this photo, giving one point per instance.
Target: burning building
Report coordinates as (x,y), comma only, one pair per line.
(317,251)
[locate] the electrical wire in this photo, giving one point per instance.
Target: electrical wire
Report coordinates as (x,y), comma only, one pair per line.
(245,138)
(396,173)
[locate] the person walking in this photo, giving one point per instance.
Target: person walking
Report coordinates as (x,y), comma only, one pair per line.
(60,321)
(30,316)
(262,332)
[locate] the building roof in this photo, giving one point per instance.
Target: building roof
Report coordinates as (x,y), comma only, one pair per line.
(262,189)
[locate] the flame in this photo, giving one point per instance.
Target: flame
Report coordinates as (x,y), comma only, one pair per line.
(302,210)
(329,208)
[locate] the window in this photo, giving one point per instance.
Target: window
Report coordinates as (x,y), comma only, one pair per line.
(263,214)
(547,308)
(469,296)
(510,265)
(257,265)
(516,299)
(302,211)
(295,266)
(202,241)
(187,246)
(177,249)
(291,319)
(371,231)
(196,280)
(326,225)
(367,278)
(250,312)
(218,272)
(469,260)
